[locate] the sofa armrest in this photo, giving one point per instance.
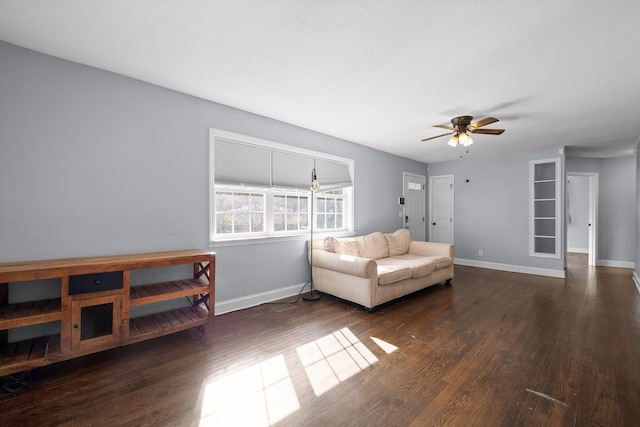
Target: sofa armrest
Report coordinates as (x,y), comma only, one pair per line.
(431,249)
(354,266)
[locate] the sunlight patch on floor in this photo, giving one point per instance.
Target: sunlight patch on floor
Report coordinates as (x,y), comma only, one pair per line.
(388,348)
(264,393)
(334,358)
(260,395)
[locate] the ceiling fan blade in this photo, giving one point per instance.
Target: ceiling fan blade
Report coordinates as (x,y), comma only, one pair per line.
(434,137)
(487,131)
(445,127)
(483,122)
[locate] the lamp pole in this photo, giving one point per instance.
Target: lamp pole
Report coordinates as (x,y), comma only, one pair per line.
(313,294)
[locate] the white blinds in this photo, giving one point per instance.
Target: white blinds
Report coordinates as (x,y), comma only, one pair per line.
(291,170)
(332,175)
(240,163)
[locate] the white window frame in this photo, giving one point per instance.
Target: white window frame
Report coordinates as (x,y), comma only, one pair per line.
(326,213)
(269,234)
(232,189)
(270,225)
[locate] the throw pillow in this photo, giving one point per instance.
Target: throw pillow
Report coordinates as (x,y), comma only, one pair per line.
(399,242)
(344,246)
(373,246)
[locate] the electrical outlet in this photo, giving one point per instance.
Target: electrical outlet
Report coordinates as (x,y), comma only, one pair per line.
(480,252)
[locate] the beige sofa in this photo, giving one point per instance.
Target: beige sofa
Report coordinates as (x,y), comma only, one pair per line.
(376,268)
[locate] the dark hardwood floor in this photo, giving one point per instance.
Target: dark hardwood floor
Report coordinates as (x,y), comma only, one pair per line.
(493,349)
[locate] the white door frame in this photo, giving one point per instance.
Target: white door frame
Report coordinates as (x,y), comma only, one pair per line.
(593,214)
(431,178)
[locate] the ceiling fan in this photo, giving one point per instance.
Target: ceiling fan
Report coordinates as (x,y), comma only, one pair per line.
(461,126)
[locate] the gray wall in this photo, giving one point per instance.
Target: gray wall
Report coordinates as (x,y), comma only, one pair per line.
(94,163)
(616,204)
(492,209)
(617,209)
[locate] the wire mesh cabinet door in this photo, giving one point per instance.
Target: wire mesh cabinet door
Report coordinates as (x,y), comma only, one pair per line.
(95,322)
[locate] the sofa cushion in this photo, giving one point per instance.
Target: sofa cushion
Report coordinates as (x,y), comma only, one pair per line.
(391,273)
(419,265)
(373,246)
(342,246)
(440,261)
(398,242)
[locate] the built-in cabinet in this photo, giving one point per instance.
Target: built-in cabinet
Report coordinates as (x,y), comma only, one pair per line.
(91,305)
(544,210)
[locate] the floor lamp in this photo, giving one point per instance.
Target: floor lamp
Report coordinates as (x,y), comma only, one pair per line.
(313,294)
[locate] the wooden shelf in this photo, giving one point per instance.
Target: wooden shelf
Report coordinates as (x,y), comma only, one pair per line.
(29,313)
(147,294)
(28,354)
(166,322)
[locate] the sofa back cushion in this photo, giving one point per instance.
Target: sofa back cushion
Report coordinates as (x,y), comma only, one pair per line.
(342,246)
(398,242)
(373,246)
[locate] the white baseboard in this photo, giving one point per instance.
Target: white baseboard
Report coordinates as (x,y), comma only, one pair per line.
(618,264)
(248,301)
(512,268)
(578,250)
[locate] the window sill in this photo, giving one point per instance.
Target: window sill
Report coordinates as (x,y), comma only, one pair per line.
(277,239)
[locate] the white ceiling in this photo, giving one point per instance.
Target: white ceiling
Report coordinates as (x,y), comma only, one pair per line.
(379,73)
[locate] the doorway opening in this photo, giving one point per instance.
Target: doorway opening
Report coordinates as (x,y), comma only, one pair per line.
(582,215)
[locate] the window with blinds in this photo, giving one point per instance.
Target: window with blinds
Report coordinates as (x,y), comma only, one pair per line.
(262,189)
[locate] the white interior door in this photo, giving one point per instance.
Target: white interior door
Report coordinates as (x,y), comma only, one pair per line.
(441,209)
(414,205)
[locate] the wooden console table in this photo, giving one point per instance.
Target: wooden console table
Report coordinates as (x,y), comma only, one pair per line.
(93,311)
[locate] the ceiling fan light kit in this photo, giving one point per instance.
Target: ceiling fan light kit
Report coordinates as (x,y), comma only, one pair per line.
(461,126)
(462,138)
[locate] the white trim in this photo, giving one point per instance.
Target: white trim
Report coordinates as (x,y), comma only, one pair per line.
(578,250)
(636,279)
(512,268)
(276,239)
(617,264)
(222,307)
(249,301)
